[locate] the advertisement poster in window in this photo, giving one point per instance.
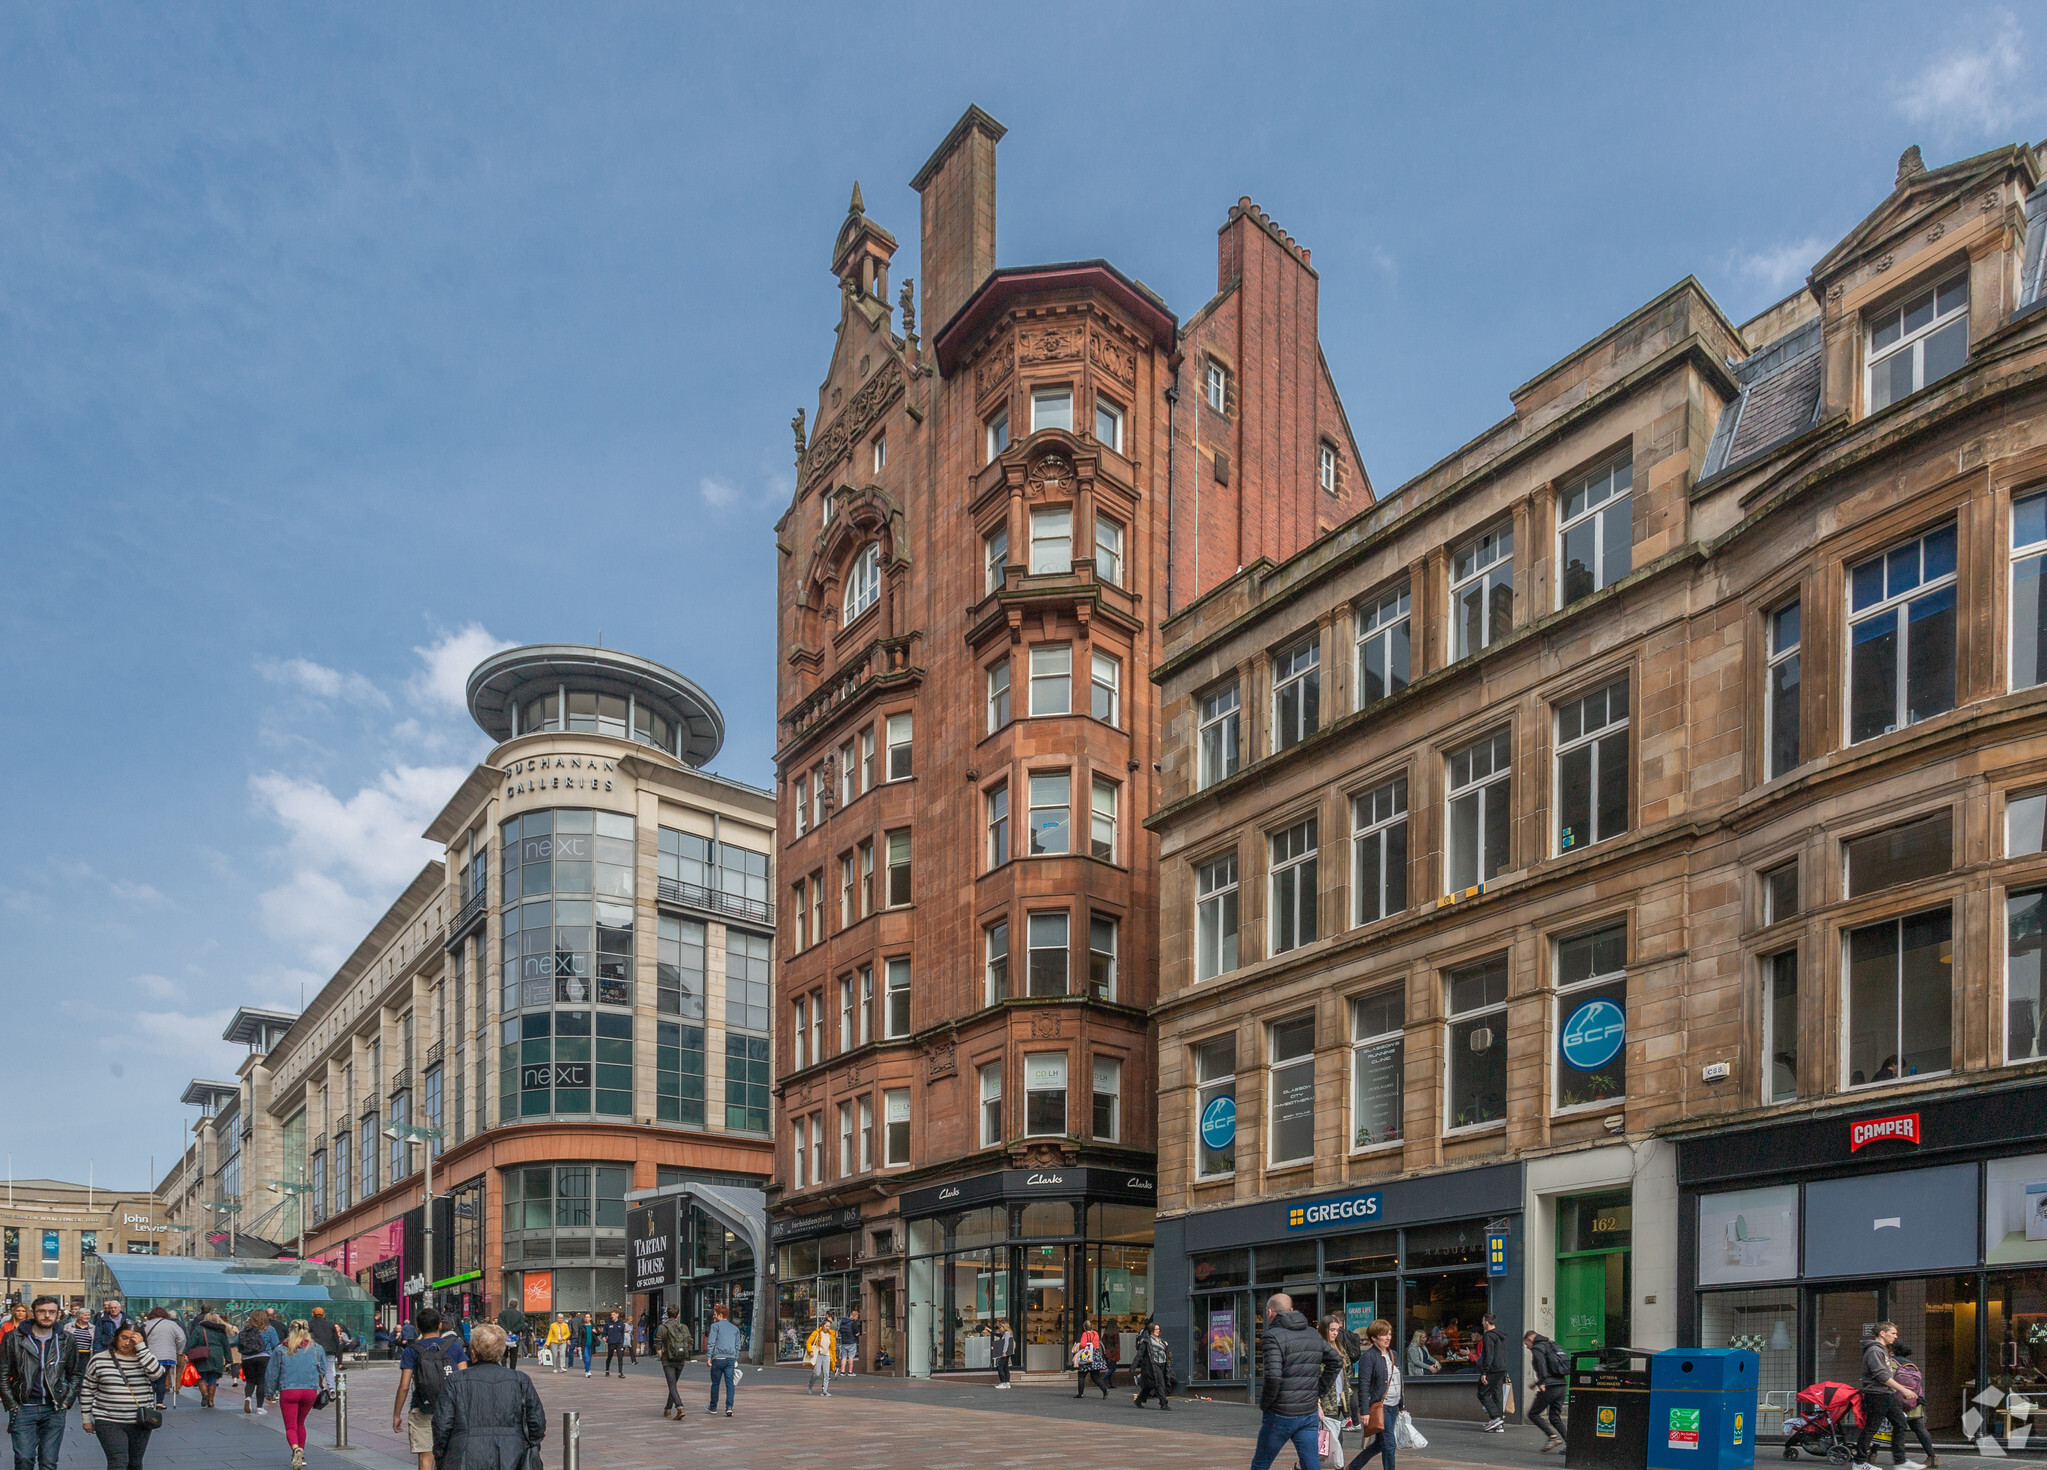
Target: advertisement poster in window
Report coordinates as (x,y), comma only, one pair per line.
(2015,1211)
(1748,1235)
(1357,1316)
(1222,1342)
(538,1295)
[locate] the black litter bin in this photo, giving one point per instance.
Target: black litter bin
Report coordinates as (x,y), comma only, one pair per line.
(1608,1424)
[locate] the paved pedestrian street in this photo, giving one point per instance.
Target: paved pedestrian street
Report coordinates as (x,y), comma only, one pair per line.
(867,1424)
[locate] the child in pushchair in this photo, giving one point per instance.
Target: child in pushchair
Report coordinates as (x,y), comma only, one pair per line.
(1822,1426)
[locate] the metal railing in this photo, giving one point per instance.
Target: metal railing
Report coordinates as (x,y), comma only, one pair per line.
(711,900)
(472,914)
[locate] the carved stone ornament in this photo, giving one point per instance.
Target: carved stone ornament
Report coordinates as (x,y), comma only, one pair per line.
(1051,475)
(1044,1025)
(1989,201)
(1883,262)
(852,425)
(853,1074)
(1112,357)
(941,1062)
(1935,233)
(989,372)
(1834,292)
(1054,344)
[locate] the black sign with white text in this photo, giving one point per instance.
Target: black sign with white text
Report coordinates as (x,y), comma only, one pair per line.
(653,1242)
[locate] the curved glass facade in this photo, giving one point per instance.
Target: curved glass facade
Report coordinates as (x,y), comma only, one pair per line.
(567,921)
(592,713)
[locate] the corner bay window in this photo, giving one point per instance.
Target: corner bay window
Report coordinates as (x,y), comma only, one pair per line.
(1102,933)
(896,999)
(899,739)
(1215,1107)
(1292,1091)
(565,1061)
(898,869)
(1051,812)
(895,1106)
(1109,539)
(998,696)
(1901,633)
(1294,886)
(1479,782)
(1051,542)
(1919,341)
(1596,532)
(1052,408)
(1379,852)
(1044,1094)
(1105,688)
(1377,1066)
(1482,592)
(994,558)
(1475,1069)
(991,1104)
(998,826)
(1102,821)
(1108,1098)
(1215,917)
(1592,1017)
(1052,679)
(1900,997)
(1592,767)
(1049,944)
(995,960)
(567,920)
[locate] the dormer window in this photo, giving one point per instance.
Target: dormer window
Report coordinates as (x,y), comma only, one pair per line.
(863,583)
(1919,341)
(1052,408)
(1216,385)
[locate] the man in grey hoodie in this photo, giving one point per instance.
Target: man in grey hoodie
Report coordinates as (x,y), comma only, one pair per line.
(1884,1399)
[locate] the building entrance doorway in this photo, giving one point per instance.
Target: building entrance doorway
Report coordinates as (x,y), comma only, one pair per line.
(1593,1280)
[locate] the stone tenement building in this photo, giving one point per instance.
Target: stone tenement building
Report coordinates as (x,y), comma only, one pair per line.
(1603,879)
(987,534)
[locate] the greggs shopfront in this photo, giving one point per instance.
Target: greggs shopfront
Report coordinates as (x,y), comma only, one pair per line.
(1930,1212)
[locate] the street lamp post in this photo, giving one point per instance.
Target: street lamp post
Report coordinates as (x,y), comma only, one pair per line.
(417,1133)
(297,1191)
(229,1209)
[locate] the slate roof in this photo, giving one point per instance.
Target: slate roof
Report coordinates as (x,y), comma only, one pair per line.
(2033,283)
(1780,399)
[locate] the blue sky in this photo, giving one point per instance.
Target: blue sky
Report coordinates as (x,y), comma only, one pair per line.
(341,346)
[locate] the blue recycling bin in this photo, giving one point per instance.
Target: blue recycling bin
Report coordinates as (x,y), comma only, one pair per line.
(1702,1409)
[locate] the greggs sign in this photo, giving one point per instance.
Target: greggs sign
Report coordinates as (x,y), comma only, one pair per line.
(1899,1128)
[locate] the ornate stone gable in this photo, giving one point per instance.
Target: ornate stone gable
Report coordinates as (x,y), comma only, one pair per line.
(851,424)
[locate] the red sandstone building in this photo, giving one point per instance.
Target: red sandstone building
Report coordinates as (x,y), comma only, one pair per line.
(988,530)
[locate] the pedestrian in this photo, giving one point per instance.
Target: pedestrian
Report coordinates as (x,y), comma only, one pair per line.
(1336,1399)
(117,1401)
(849,1342)
(1380,1391)
(110,1320)
(252,1347)
(822,1351)
(1493,1374)
(586,1337)
(722,1345)
(16,1316)
(80,1333)
(209,1349)
(1552,1376)
(558,1342)
(489,1417)
(297,1372)
(1089,1361)
(1001,1352)
(1914,1381)
(1154,1366)
(424,1369)
(327,1335)
(673,1345)
(1884,1399)
(1298,1364)
(165,1340)
(513,1321)
(39,1380)
(615,1334)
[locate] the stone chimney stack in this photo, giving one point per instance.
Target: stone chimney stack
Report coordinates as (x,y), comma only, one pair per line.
(957,185)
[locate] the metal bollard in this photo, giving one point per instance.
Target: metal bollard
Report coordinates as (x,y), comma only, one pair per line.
(340,1408)
(571,1428)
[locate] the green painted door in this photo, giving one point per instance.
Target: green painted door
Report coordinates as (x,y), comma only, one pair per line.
(1581,1303)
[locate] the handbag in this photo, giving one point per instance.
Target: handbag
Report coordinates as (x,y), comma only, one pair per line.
(1375,1418)
(150,1416)
(322,1399)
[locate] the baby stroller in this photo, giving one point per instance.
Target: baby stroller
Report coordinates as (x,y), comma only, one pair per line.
(1821,1425)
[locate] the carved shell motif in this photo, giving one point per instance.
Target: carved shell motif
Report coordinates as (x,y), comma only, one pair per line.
(1051,475)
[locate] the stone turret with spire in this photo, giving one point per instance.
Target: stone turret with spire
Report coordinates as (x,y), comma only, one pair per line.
(861,256)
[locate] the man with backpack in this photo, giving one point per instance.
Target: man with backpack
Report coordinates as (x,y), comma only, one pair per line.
(673,1345)
(423,1369)
(1552,1374)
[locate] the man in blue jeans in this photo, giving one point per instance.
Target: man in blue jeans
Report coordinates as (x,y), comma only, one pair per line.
(1300,1366)
(722,1346)
(39,1378)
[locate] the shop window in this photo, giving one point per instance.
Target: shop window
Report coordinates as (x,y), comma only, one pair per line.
(995,960)
(994,558)
(1105,688)
(991,1104)
(1780,1027)
(1377,1066)
(1919,341)
(1285,1263)
(1052,541)
(1052,679)
(1780,892)
(1292,1088)
(2025,823)
(1780,698)
(863,581)
(1218,735)
(1475,1068)
(1899,854)
(900,729)
(1765,1322)
(896,1001)
(679,1074)
(1108,1098)
(1595,536)
(998,696)
(1480,782)
(896,1117)
(1443,1309)
(1109,536)
(1295,890)
(1378,876)
(1051,813)
(1215,1107)
(1592,767)
(2025,1022)
(1900,998)
(1382,647)
(1592,1017)
(1482,592)
(1045,1094)
(899,868)
(1363,1254)
(1215,917)
(1102,937)
(1901,633)
(1296,694)
(1050,946)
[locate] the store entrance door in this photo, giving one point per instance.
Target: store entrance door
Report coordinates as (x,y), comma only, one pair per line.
(1581,1303)
(1840,1319)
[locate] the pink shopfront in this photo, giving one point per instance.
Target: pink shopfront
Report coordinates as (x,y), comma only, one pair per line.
(375,1261)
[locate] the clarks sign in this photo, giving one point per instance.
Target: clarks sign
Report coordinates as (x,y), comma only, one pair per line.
(1898,1128)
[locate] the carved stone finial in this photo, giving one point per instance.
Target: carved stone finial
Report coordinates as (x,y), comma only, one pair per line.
(802,440)
(909,305)
(857,206)
(1910,164)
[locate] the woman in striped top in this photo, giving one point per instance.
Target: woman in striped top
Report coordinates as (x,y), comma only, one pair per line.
(120,1383)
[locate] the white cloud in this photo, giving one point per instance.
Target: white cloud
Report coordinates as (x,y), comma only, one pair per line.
(157,987)
(322,682)
(373,834)
(1778,267)
(315,914)
(443,685)
(719,494)
(1975,91)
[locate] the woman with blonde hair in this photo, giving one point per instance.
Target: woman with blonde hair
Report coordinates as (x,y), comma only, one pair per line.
(295,1374)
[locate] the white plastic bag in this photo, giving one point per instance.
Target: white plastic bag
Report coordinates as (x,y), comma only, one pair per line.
(547,1357)
(1406,1436)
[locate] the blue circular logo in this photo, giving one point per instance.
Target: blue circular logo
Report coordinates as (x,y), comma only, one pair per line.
(1594,1033)
(1219,1123)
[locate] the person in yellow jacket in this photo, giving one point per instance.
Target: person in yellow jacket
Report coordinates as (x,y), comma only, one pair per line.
(823,1350)
(558,1342)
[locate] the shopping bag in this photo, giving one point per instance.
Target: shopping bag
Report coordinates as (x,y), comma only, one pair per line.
(1507,1398)
(1406,1436)
(547,1357)
(1329,1443)
(189,1378)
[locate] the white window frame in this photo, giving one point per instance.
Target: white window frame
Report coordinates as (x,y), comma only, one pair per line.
(994,559)
(867,760)
(997,433)
(1104,796)
(995,806)
(1109,543)
(1277,1066)
(799,1153)
(1361,1042)
(1051,679)
(1105,687)
(1496,783)
(1107,1080)
(1219,734)
(899,858)
(895,1010)
(800,927)
(1388,615)
(1621,725)
(820,794)
(1064,949)
(989,1075)
(1215,385)
(1051,547)
(1047,804)
(998,695)
(880,452)
(1781,653)
(846,1031)
(1206,1089)
(849,905)
(1603,491)
(901,744)
(801,1005)
(1045,403)
(895,1103)
(802,807)
(863,581)
(995,960)
(817,1025)
(1897,608)
(866,1004)
(1494,1013)
(1374,815)
(1102,964)
(1297,670)
(845,1140)
(1216,892)
(2021,552)
(1325,466)
(1034,1086)
(817,1173)
(1491,555)
(1914,341)
(1291,868)
(866,1133)
(846,791)
(866,851)
(1107,409)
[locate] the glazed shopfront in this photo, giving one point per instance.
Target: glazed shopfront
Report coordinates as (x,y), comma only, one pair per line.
(1045,1250)
(1429,1255)
(1931,1213)
(816,1274)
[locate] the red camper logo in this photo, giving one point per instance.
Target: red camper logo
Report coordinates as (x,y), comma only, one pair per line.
(1899,1128)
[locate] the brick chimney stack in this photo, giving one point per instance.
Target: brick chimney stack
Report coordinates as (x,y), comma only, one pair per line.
(957,185)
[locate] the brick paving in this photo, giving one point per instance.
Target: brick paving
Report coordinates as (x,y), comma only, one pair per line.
(867,1424)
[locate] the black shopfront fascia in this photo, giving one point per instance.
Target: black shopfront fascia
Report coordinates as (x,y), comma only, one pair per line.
(1116,1186)
(1939,1211)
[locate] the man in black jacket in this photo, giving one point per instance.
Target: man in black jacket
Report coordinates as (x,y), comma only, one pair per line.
(1494,1374)
(1300,1364)
(488,1417)
(39,1378)
(1552,1372)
